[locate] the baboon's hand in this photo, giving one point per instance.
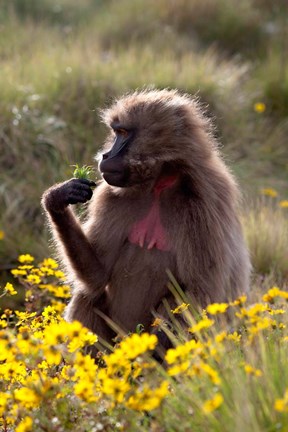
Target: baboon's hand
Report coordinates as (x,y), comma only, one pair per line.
(73,191)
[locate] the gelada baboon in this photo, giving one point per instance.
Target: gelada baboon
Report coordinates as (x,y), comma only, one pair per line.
(167,202)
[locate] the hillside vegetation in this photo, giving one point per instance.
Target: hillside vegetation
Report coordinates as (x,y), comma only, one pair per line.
(63,60)
(60,62)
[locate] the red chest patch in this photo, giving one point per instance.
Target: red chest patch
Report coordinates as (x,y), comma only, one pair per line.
(149,231)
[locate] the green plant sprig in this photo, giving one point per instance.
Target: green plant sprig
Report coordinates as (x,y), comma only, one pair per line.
(83,172)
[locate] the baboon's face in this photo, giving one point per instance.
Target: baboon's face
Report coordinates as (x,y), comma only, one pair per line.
(114,166)
(128,162)
(144,139)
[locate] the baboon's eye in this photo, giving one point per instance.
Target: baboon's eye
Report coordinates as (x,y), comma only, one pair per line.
(122,132)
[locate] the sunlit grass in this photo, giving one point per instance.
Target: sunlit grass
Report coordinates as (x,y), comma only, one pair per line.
(50,97)
(60,62)
(212,376)
(266,230)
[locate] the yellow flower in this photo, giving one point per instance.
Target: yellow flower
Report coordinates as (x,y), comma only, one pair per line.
(27,258)
(220,337)
(13,370)
(16,272)
(259,107)
(49,313)
(216,308)
(236,337)
(24,316)
(116,388)
(179,368)
(62,291)
(86,391)
(261,324)
(281,405)
(239,301)
(148,399)
(58,306)
(24,344)
(27,397)
(274,292)
(68,373)
(117,364)
(43,365)
(85,366)
(25,425)
(6,351)
(137,369)
(27,267)
(269,192)
(276,311)
(180,308)
(250,370)
(212,373)
(4,398)
(157,322)
(2,235)
(28,295)
(47,271)
(136,344)
(49,262)
(181,352)
(33,279)
(203,324)
(55,334)
(60,275)
(10,289)
(201,368)
(48,287)
(52,355)
(252,311)
(212,404)
(80,336)
(283,204)
(3,323)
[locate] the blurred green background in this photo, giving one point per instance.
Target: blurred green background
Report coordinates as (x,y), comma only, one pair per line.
(62,60)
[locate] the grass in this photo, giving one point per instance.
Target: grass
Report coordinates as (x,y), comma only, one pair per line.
(60,62)
(222,373)
(266,230)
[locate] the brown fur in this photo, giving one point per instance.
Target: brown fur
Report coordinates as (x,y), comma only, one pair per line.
(208,256)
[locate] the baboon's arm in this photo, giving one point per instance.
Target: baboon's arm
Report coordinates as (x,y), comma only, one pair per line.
(80,253)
